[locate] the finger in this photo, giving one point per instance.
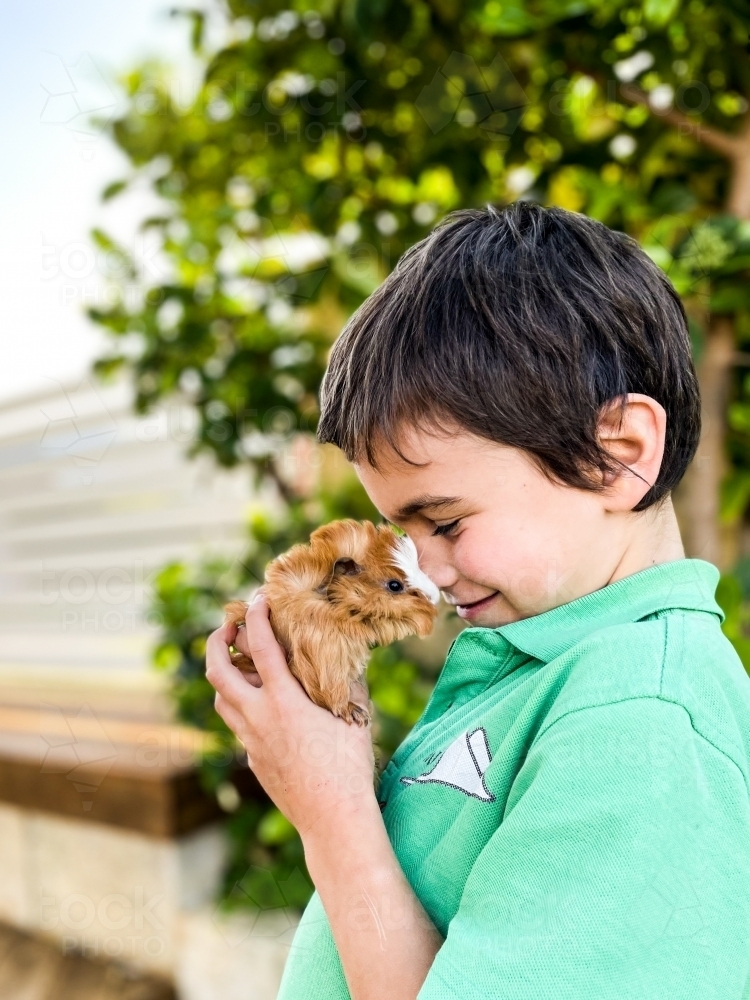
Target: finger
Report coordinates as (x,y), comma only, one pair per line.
(228,632)
(221,673)
(267,654)
(230,715)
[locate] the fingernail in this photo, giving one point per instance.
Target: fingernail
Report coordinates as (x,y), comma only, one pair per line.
(258,597)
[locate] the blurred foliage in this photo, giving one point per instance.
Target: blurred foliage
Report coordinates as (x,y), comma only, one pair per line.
(324,139)
(733,594)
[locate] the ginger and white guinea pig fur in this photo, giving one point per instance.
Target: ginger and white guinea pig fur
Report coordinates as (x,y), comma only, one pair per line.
(354,586)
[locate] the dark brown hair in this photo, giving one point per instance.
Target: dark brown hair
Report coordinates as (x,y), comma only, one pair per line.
(517,324)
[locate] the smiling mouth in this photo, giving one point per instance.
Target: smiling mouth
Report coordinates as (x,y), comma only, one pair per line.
(470,610)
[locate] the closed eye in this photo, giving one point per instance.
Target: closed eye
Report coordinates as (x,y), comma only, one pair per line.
(446,529)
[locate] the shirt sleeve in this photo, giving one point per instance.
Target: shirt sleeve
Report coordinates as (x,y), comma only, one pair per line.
(620,871)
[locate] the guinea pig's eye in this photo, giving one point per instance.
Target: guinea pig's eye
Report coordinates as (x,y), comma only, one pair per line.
(395,586)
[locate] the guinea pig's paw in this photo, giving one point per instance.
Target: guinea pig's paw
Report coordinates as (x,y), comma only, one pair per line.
(242,662)
(357,714)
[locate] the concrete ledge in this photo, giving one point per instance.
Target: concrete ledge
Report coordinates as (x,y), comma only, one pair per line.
(164,805)
(133,775)
(146,903)
(103,892)
(31,969)
(111,851)
(237,956)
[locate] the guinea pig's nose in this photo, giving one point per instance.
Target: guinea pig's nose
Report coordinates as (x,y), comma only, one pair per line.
(428,592)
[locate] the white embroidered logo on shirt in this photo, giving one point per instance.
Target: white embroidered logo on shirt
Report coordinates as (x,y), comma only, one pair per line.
(462,766)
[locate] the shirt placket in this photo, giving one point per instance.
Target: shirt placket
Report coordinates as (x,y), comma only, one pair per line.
(477,659)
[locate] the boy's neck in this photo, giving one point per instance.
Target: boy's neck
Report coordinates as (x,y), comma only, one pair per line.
(654,539)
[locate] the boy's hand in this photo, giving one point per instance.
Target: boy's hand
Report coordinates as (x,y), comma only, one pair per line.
(311,764)
(318,770)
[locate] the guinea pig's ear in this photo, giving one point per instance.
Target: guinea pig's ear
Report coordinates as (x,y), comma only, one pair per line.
(342,567)
(346,567)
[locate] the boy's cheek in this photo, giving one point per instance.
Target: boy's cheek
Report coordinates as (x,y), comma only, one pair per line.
(530,556)
(530,578)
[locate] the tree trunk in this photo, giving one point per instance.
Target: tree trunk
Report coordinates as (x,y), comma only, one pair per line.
(738,199)
(698,498)
(704,536)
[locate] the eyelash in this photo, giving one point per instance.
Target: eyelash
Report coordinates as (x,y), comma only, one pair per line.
(446,529)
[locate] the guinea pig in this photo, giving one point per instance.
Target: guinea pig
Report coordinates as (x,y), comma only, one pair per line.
(354,586)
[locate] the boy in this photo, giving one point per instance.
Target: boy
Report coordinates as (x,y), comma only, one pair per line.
(569,818)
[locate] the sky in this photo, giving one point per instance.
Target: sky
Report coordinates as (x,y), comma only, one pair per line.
(59,62)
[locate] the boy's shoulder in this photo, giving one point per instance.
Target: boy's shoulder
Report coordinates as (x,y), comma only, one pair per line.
(678,657)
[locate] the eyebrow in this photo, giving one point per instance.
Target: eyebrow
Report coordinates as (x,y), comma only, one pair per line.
(425,502)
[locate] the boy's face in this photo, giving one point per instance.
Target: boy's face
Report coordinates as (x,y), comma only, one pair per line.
(500,540)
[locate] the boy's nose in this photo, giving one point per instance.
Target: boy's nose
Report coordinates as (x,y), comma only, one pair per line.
(442,574)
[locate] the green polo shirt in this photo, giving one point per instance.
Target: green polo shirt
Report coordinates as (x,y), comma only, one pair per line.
(572,807)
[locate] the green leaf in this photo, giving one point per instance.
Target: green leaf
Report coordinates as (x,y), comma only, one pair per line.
(101,239)
(730,298)
(660,12)
(735,494)
(275,828)
(113,189)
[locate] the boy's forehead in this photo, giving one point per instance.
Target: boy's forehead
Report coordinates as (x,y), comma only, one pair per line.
(432,473)
(401,490)
(402,484)
(419,454)
(400,498)
(415,457)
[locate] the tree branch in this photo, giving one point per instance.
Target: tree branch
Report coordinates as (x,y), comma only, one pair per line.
(271,470)
(732,146)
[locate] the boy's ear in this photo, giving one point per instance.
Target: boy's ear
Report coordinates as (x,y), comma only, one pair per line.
(633,431)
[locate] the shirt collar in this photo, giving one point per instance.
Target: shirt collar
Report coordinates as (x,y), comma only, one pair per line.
(685,584)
